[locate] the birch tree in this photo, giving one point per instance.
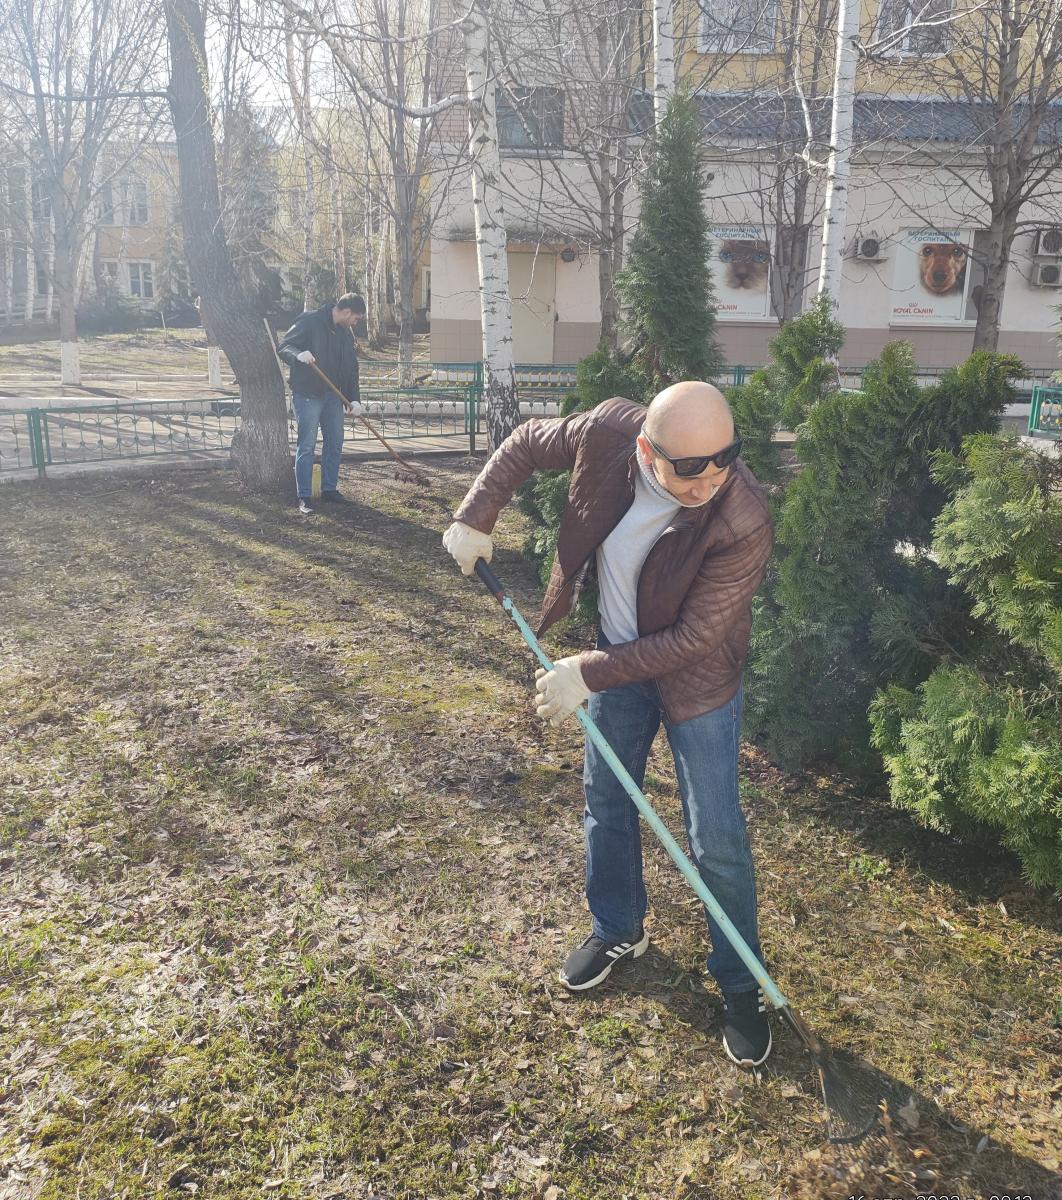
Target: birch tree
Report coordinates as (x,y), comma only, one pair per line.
(663,56)
(835,210)
(503,408)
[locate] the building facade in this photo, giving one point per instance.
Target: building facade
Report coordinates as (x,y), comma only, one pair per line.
(914,261)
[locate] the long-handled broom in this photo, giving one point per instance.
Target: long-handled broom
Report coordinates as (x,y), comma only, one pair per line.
(853,1100)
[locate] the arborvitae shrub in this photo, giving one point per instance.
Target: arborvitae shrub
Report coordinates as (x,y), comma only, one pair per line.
(979,742)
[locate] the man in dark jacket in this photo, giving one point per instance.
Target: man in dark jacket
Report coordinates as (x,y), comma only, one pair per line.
(679,531)
(323,337)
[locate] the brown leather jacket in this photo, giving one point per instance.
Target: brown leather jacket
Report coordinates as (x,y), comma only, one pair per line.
(696,585)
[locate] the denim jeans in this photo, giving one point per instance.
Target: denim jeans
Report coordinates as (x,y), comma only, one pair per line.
(312,412)
(705,750)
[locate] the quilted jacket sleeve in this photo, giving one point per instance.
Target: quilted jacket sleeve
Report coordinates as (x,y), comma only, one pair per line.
(719,598)
(541,444)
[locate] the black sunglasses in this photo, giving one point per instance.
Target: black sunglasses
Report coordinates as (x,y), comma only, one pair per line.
(686,468)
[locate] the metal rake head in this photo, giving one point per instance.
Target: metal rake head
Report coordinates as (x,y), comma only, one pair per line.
(853,1095)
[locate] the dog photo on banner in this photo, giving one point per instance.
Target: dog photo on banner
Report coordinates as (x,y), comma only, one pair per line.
(932,275)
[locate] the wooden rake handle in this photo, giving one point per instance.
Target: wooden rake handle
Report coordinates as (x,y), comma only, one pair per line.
(369,425)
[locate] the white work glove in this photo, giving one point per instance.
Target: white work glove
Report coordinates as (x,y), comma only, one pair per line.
(304,356)
(465,544)
(355,408)
(560,692)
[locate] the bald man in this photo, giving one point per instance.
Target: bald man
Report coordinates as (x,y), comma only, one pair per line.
(678,532)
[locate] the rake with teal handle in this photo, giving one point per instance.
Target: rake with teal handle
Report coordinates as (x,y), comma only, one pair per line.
(852,1102)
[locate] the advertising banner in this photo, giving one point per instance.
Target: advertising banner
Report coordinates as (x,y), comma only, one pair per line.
(741,271)
(931,275)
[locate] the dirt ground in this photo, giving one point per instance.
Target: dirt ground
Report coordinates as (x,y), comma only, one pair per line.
(288,867)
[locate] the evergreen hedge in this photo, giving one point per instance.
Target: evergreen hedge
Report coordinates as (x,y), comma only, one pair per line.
(980,740)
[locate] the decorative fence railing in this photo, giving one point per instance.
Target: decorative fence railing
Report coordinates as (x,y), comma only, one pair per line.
(34,439)
(552,379)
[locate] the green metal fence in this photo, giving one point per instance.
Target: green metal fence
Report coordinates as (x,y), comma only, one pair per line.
(446,404)
(36,439)
(1045,413)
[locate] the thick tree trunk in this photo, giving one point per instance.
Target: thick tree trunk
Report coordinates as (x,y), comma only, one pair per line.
(310,298)
(610,262)
(606,255)
(49,278)
(990,305)
(835,214)
(404,301)
(503,407)
(262,455)
(789,270)
(606,283)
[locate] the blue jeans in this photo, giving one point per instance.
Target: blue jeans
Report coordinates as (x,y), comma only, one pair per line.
(705,750)
(312,412)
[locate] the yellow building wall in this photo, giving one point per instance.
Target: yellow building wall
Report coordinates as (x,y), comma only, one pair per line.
(907,75)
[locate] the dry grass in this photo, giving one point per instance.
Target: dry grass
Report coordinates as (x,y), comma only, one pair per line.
(147,356)
(287,867)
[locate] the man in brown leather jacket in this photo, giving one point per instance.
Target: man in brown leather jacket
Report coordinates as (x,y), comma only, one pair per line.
(679,533)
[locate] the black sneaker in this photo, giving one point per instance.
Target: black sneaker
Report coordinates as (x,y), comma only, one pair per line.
(334,498)
(305,506)
(746,1030)
(590,963)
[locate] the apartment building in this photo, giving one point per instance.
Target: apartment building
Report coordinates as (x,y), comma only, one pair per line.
(134,248)
(915,237)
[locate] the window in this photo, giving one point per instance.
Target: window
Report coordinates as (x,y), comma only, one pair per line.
(896,17)
(41,273)
(296,205)
(136,198)
(42,203)
(738,26)
(106,204)
(131,207)
(141,282)
(530,118)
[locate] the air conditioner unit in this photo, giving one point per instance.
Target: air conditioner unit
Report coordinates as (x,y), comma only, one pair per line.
(1047,274)
(870,248)
(1048,243)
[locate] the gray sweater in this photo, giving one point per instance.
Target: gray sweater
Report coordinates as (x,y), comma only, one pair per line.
(621,555)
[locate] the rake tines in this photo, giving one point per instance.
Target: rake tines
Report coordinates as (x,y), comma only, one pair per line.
(853,1096)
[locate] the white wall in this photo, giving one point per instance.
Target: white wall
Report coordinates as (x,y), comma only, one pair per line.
(886,198)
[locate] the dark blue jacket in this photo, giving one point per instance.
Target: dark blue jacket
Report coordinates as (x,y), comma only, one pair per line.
(332,346)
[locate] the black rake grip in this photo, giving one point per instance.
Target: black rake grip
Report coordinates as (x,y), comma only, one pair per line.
(489,580)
